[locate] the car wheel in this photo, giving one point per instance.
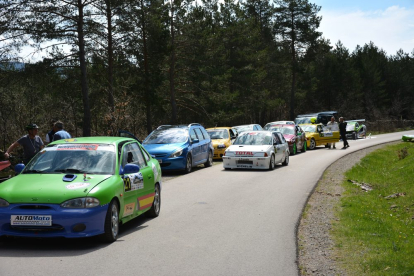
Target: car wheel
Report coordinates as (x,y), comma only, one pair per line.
(156,205)
(209,162)
(272,162)
(227,169)
(286,162)
(304,147)
(294,150)
(354,136)
(189,164)
(312,144)
(111,226)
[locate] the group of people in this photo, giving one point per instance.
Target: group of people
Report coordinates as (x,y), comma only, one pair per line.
(334,126)
(32,143)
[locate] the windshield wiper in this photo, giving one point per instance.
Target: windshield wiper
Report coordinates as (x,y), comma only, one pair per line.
(70,171)
(33,171)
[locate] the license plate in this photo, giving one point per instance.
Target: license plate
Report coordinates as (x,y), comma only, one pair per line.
(31,220)
(245,162)
(159,161)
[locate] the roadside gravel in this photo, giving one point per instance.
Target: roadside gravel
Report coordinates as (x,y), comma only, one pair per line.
(316,254)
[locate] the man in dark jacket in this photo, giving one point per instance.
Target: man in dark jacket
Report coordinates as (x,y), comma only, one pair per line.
(342,131)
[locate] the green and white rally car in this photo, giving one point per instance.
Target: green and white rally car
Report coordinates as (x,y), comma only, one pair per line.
(355,129)
(81,187)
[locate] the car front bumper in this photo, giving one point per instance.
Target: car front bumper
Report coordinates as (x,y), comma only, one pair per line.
(218,153)
(230,162)
(68,223)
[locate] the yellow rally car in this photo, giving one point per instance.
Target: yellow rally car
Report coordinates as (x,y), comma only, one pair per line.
(318,135)
(222,138)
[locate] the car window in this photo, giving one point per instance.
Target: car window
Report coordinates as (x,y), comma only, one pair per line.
(281,138)
(218,134)
(167,136)
(276,138)
(132,154)
(193,135)
(199,134)
(205,134)
(146,155)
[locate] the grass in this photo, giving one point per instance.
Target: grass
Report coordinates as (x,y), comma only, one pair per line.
(375,235)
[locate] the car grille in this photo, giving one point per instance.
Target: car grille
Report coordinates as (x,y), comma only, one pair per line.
(34,207)
(159,155)
(54,227)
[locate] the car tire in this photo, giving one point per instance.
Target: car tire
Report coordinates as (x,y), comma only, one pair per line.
(111,226)
(156,204)
(354,136)
(312,144)
(272,163)
(304,147)
(209,162)
(188,164)
(286,162)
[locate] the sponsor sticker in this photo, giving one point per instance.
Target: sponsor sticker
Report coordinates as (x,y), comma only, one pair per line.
(31,220)
(129,209)
(133,182)
(78,147)
(244,153)
(79,185)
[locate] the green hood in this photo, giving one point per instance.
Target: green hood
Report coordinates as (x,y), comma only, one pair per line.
(47,188)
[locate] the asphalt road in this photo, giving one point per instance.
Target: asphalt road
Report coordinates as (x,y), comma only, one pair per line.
(212,222)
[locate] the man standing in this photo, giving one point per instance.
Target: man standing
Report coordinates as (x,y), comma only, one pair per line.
(333,126)
(31,144)
(59,132)
(342,131)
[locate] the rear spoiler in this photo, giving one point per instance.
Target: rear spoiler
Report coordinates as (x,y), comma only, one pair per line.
(359,120)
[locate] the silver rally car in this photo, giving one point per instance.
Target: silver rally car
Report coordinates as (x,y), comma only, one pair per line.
(257,150)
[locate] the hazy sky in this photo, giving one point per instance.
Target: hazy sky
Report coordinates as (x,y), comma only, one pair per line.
(389,24)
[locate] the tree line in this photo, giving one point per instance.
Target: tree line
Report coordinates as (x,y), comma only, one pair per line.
(137,64)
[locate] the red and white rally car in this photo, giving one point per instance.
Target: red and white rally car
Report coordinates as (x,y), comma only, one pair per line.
(257,150)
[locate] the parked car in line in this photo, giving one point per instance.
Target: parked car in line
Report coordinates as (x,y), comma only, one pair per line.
(355,130)
(222,138)
(322,117)
(318,134)
(81,187)
(294,135)
(250,127)
(268,125)
(257,150)
(180,147)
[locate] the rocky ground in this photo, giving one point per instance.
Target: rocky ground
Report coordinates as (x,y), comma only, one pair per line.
(316,254)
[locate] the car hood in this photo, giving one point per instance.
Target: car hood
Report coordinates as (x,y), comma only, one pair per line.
(289,136)
(219,141)
(47,188)
(163,148)
(248,150)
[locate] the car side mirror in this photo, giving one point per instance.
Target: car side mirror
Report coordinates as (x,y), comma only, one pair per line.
(18,168)
(129,168)
(195,141)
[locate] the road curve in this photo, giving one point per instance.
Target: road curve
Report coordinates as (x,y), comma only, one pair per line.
(212,222)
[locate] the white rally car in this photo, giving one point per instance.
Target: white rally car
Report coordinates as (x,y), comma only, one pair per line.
(257,150)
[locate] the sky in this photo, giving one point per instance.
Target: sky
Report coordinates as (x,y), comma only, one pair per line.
(388,24)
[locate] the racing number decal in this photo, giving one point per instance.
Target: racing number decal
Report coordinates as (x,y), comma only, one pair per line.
(127,184)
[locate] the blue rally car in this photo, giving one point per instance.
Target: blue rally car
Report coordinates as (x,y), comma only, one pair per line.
(180,147)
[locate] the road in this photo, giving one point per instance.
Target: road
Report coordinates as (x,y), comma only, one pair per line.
(212,222)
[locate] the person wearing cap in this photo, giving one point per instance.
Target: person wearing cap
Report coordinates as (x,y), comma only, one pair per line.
(31,144)
(60,133)
(49,135)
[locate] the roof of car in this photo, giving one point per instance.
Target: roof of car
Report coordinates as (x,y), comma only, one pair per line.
(212,128)
(94,139)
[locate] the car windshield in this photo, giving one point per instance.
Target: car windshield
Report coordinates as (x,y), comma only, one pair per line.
(303,120)
(254,138)
(167,136)
(309,128)
(287,130)
(350,127)
(218,134)
(243,128)
(74,158)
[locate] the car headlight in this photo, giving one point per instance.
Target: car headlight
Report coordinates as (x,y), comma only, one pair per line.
(177,153)
(82,202)
(221,146)
(3,203)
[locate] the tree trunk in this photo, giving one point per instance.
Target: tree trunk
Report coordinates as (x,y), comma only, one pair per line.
(172,70)
(84,80)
